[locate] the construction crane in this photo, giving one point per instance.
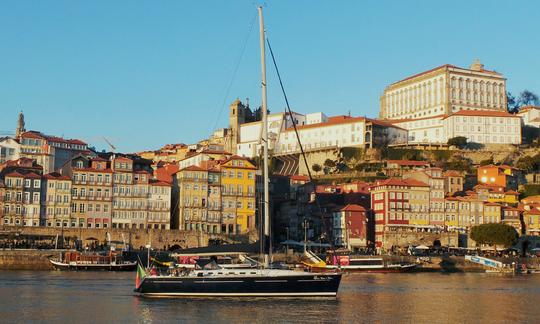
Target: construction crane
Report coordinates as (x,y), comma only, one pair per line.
(113,148)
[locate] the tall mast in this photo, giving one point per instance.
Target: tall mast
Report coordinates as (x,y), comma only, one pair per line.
(266,199)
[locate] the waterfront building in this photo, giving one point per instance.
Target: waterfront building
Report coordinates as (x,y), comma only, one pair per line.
(399,204)
(10,149)
(434,178)
(351,227)
(22,198)
(444,90)
(56,201)
(2,195)
(530,116)
(484,127)
(159,204)
(513,216)
(91,193)
(531,220)
(193,189)
(238,180)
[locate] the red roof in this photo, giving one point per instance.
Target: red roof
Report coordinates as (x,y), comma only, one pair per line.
(353,208)
(452,173)
(445,66)
(56,176)
(15,174)
(484,113)
(39,135)
(299,177)
(401,182)
(159,183)
(512,192)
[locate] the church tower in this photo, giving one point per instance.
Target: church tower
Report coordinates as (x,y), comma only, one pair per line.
(237,116)
(20,126)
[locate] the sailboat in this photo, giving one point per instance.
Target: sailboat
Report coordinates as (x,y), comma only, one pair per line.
(210,280)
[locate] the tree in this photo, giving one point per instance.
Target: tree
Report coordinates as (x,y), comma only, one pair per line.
(487,161)
(459,141)
(316,167)
(495,234)
(527,98)
(330,163)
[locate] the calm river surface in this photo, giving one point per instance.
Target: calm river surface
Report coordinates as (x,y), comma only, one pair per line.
(103,297)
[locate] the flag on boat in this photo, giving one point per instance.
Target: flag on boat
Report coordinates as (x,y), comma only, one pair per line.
(140,275)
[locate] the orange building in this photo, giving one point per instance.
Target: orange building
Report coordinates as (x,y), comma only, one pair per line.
(500,175)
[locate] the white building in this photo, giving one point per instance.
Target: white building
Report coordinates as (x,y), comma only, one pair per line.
(251,133)
(10,149)
(484,127)
(442,91)
(340,131)
(423,130)
(530,116)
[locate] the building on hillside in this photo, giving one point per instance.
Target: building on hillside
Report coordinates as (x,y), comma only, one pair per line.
(21,164)
(51,152)
(22,199)
(2,199)
(453,182)
(91,191)
(340,131)
(396,168)
(484,127)
(249,144)
(169,153)
(444,90)
(501,175)
(424,130)
(238,181)
(209,153)
(10,149)
(56,201)
(530,116)
(352,228)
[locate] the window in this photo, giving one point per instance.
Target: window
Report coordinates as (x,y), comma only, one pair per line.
(27,183)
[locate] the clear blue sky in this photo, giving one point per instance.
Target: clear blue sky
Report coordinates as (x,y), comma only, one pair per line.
(147,73)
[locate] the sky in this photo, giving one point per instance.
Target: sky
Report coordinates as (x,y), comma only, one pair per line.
(147,73)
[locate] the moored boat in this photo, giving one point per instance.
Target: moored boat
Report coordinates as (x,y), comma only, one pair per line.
(354,264)
(74,260)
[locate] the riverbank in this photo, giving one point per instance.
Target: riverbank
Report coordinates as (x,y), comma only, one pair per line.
(23,259)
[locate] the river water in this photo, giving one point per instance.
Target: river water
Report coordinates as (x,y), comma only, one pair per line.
(106,297)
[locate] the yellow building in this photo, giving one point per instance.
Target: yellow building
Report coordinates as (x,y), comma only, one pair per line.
(238,194)
(192,203)
(531,218)
(56,200)
(492,213)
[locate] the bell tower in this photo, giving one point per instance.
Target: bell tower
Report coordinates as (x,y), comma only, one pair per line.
(20,126)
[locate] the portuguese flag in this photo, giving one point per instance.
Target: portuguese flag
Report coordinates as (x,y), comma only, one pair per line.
(140,276)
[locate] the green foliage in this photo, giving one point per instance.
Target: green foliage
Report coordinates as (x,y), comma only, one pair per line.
(530,190)
(458,141)
(530,134)
(529,163)
(349,153)
(441,155)
(316,167)
(459,163)
(330,163)
(405,154)
(494,233)
(487,161)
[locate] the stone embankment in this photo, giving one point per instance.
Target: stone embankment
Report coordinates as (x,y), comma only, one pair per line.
(26,259)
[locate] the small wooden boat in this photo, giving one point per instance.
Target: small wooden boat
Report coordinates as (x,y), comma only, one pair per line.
(74,260)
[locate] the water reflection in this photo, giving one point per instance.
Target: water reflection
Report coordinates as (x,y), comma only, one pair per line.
(423,298)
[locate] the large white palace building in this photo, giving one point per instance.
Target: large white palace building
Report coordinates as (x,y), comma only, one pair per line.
(444,90)
(449,101)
